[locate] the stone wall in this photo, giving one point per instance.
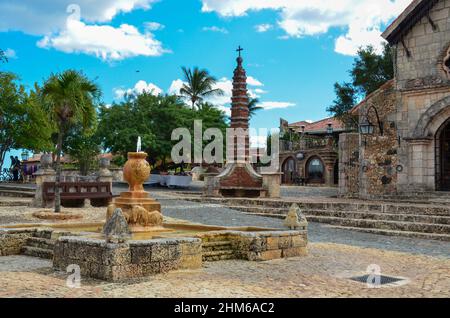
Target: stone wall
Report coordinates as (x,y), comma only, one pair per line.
(12,240)
(427,47)
(422,82)
(117,262)
(349,165)
(117,173)
(263,245)
(378,153)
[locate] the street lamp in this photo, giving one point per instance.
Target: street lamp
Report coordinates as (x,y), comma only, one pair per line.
(330,129)
(366,127)
(25,155)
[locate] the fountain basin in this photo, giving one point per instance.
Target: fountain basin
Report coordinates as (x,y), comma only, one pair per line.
(175,246)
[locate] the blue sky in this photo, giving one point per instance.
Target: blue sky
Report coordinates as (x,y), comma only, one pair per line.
(294,49)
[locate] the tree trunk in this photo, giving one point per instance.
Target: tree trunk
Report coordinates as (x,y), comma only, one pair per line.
(58,173)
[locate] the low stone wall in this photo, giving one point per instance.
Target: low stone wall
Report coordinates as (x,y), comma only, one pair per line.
(117,262)
(12,240)
(262,246)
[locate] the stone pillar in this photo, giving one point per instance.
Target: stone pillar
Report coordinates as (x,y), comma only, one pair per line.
(44,174)
(349,164)
(104,175)
(421,170)
(211,188)
(272,182)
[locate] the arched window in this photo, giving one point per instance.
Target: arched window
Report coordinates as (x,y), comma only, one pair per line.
(315,170)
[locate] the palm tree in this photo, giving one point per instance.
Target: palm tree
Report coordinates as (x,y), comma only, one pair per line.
(3,57)
(253,106)
(69,98)
(199,84)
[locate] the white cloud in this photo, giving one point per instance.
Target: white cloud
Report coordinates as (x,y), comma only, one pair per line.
(275,105)
(253,81)
(10,53)
(226,85)
(80,28)
(215,29)
(103,41)
(140,87)
(47,16)
(154,26)
(362,19)
(261,28)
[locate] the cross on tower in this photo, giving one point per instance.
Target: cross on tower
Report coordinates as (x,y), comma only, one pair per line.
(239,50)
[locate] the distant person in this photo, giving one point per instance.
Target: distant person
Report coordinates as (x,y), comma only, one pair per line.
(16,168)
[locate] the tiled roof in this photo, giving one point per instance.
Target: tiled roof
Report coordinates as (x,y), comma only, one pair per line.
(319,126)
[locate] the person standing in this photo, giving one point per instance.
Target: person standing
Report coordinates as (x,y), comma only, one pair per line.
(16,169)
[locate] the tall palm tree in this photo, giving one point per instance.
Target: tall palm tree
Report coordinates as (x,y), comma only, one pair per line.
(253,106)
(69,98)
(199,84)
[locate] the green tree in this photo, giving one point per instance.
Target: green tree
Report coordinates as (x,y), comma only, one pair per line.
(199,84)
(70,100)
(3,57)
(369,72)
(253,106)
(153,118)
(24,124)
(345,100)
(82,146)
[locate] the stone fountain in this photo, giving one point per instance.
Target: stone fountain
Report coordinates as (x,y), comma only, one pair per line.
(142,213)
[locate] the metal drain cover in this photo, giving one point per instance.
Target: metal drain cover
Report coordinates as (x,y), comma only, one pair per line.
(384,280)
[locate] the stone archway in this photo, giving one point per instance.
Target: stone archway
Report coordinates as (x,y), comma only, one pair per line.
(315,170)
(426,169)
(442,142)
(288,169)
(432,119)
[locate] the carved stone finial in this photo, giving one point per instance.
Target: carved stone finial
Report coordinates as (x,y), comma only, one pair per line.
(295,218)
(116,229)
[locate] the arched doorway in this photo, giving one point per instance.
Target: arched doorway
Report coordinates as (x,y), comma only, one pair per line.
(315,171)
(288,169)
(443,157)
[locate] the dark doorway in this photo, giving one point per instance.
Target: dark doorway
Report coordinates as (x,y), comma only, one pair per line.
(336,172)
(288,171)
(315,171)
(443,160)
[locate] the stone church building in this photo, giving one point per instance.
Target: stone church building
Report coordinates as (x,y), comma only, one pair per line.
(403,147)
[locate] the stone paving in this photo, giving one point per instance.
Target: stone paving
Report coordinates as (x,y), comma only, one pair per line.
(323,273)
(218,215)
(334,256)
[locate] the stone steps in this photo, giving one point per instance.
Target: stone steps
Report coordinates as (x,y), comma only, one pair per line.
(380,207)
(16,193)
(278,212)
(218,256)
(39,242)
(430,221)
(430,236)
(217,250)
(216,246)
(37,252)
(384,225)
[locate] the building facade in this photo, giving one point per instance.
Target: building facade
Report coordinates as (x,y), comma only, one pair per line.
(409,149)
(309,153)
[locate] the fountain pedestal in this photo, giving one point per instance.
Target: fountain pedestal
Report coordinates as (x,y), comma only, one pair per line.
(142,213)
